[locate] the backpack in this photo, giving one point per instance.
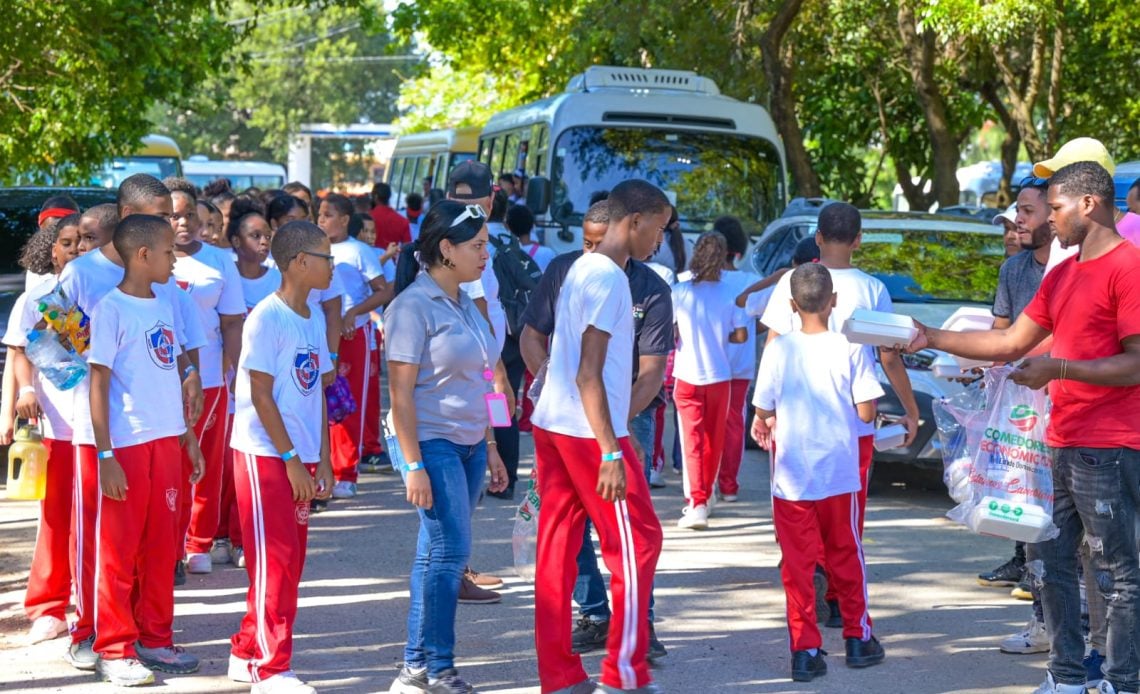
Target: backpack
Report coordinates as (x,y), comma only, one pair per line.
(518,275)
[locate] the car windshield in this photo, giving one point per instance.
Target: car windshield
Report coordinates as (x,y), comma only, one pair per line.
(707,174)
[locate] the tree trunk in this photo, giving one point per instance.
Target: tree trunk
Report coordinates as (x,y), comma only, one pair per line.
(1053,100)
(1009,146)
(1022,104)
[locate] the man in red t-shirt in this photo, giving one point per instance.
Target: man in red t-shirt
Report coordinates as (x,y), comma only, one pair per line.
(1090,304)
(391,226)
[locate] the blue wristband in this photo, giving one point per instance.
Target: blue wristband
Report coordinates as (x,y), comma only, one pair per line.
(413,466)
(106,455)
(334,356)
(187,371)
(289,455)
(610,457)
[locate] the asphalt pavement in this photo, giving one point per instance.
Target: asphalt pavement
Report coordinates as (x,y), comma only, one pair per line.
(720,605)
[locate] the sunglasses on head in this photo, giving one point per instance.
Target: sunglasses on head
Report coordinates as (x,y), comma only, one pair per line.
(470,212)
(1036,181)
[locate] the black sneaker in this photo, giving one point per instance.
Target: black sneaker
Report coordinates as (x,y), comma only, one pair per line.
(1023,590)
(834,616)
(449,682)
(656,648)
(318,505)
(412,680)
(507,494)
(589,635)
(179,573)
(864,653)
(806,667)
(1008,574)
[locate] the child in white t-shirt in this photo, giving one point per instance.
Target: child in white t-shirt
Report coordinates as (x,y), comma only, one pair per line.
(818,387)
(280,440)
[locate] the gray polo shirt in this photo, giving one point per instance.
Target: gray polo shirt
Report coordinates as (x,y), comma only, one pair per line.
(426,327)
(1018,282)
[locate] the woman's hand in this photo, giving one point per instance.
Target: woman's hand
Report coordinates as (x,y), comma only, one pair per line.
(495,466)
(419,488)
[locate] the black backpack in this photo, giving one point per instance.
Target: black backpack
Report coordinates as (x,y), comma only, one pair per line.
(518,276)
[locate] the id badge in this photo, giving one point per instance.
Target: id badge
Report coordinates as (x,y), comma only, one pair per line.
(497,410)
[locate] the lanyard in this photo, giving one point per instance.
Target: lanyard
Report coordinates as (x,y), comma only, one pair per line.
(488,375)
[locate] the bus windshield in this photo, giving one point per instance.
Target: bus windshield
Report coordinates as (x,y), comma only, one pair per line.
(119,169)
(707,174)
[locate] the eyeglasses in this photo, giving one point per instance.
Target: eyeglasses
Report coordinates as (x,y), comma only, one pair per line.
(326,256)
(1035,181)
(470,212)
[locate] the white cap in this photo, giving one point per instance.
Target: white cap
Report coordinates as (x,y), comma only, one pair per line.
(1010,215)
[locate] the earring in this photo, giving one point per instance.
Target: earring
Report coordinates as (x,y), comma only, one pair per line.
(448,264)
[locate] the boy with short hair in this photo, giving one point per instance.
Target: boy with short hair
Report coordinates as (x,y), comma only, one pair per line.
(134,380)
(815,468)
(280,438)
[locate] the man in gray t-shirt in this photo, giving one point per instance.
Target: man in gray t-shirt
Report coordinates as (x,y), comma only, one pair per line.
(1021,275)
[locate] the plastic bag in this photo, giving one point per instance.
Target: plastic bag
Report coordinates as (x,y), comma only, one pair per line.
(66,320)
(339,399)
(967,406)
(524,539)
(1009,490)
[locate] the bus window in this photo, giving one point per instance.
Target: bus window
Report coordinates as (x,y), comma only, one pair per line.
(487,152)
(509,161)
(395,170)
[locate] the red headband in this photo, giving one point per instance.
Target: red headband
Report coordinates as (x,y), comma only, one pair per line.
(54,213)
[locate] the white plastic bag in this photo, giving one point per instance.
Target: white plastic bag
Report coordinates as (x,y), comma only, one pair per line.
(524,539)
(1009,490)
(967,406)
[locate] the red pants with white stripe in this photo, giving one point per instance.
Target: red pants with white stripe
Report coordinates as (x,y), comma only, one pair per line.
(229,523)
(702,413)
(134,599)
(359,434)
(866,453)
(276,530)
(803,527)
(202,502)
(49,582)
(630,537)
(84,537)
(733,436)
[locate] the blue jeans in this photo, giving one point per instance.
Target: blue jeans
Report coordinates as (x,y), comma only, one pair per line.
(590,588)
(442,551)
(1095,498)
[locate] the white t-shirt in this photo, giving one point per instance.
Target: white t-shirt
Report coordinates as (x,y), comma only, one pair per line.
(812,383)
(1058,254)
(757,302)
(32,280)
(253,291)
(212,281)
(487,288)
(705,314)
(854,290)
(356,267)
(594,293)
(293,350)
(135,338)
(542,255)
(57,405)
(742,356)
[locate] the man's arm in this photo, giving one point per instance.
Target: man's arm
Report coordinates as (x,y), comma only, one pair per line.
(532,345)
(1009,344)
(592,387)
(1117,371)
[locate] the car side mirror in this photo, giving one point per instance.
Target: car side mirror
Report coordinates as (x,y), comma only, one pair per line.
(538,194)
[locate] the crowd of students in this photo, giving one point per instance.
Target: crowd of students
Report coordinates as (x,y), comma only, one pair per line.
(233,388)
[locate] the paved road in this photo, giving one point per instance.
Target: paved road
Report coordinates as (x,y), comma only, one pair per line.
(720,604)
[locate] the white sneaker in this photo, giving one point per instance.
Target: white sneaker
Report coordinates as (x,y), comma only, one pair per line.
(1104,687)
(694,518)
(238,670)
(1050,686)
(199,563)
(220,554)
(1035,639)
(728,498)
(344,490)
(125,672)
(285,683)
(237,556)
(46,629)
(656,480)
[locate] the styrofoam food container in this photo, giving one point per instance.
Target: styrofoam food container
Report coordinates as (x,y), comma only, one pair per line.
(889,437)
(946,366)
(1016,521)
(968,319)
(880,329)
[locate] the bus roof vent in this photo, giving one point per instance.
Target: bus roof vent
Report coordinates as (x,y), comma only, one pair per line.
(640,79)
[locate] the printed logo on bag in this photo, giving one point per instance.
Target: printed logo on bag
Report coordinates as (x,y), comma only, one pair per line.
(171,499)
(306,369)
(1024,418)
(160,345)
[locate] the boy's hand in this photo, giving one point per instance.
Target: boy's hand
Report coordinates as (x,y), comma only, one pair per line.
(192,398)
(28,406)
(324,482)
(194,453)
(419,489)
(762,431)
(304,487)
(112,479)
(499,478)
(611,480)
(348,325)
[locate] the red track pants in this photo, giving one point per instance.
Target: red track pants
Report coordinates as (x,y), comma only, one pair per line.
(630,537)
(49,582)
(276,530)
(134,599)
(803,527)
(229,523)
(703,413)
(866,453)
(202,502)
(359,434)
(84,537)
(734,437)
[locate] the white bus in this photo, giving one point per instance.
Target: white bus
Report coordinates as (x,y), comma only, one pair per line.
(711,154)
(428,156)
(242,174)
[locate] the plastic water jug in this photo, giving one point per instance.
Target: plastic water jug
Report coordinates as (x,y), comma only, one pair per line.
(27,465)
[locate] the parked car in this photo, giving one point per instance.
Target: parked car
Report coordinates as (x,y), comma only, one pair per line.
(932,265)
(19,208)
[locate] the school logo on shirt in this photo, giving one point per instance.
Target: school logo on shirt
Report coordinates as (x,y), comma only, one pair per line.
(185,285)
(1024,418)
(306,369)
(302,513)
(160,345)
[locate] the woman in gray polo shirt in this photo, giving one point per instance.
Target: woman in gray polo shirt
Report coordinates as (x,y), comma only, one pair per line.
(440,354)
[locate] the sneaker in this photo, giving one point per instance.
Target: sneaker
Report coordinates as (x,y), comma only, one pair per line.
(589,635)
(1051,686)
(81,654)
(1008,574)
(1034,639)
(318,505)
(819,582)
(344,490)
(1094,669)
(657,649)
(1022,591)
(410,681)
(237,557)
(482,580)
(46,628)
(448,682)
(172,659)
(507,494)
(694,518)
(283,683)
(862,654)
(1102,687)
(179,573)
(220,553)
(471,594)
(375,463)
(199,563)
(656,479)
(806,667)
(238,670)
(729,498)
(124,672)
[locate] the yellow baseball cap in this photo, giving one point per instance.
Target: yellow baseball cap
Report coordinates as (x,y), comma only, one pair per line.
(1073,151)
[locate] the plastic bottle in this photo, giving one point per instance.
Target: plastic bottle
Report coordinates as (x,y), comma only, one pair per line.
(56,364)
(27,465)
